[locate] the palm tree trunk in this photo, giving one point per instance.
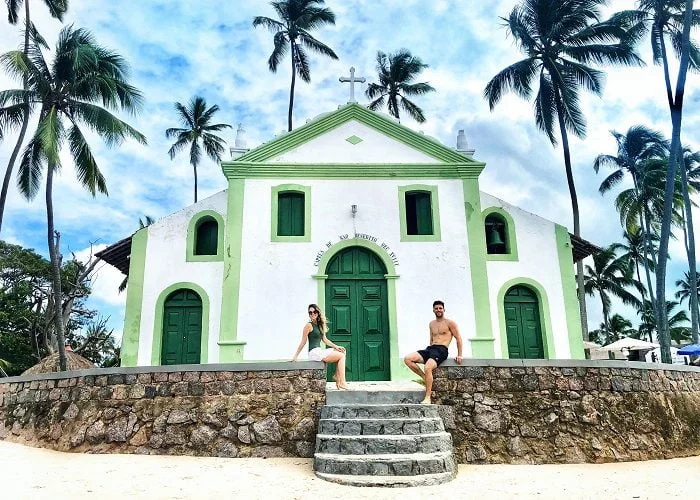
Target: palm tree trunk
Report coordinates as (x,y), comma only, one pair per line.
(194,167)
(574,208)
(25,123)
(690,250)
(54,241)
(676,110)
(291,88)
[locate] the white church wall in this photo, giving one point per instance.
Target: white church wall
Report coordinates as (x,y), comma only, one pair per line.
(538,260)
(166,265)
(276,277)
(332,147)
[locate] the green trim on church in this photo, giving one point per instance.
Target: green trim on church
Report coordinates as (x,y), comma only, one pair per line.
(511,243)
(354,111)
(568,285)
(192,233)
(434,213)
(274,212)
(134,299)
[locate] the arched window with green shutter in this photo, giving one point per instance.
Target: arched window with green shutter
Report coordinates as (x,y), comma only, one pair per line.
(290,213)
(207,237)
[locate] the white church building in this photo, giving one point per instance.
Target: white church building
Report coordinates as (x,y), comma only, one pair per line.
(368,219)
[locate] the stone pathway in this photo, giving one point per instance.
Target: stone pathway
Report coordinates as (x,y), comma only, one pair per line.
(105,477)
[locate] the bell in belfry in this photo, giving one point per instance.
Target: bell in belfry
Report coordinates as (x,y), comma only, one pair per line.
(496,243)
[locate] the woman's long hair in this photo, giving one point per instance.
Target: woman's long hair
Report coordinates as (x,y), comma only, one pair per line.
(321,320)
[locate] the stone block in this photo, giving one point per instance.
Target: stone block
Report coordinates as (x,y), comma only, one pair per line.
(268,430)
(175,377)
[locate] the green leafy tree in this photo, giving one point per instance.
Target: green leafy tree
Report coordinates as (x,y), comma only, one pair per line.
(634,149)
(20,113)
(297,19)
(198,133)
(561,39)
(610,276)
(68,92)
(679,330)
(668,21)
(396,73)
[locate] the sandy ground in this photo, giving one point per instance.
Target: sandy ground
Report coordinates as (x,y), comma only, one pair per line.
(34,473)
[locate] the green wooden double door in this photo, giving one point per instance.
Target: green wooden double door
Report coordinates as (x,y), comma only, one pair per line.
(182,328)
(357,311)
(523,325)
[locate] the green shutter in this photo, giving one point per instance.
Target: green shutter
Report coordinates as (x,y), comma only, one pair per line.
(290,214)
(207,238)
(419,213)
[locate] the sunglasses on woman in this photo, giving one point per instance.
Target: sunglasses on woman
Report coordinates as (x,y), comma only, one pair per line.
(312,312)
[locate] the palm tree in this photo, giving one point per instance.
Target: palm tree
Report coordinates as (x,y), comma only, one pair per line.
(69,91)
(639,145)
(684,288)
(395,73)
(635,250)
(677,323)
(690,168)
(297,19)
(618,327)
(56,8)
(196,119)
(609,276)
(672,20)
(560,39)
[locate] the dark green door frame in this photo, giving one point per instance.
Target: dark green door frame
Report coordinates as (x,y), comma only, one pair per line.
(182,328)
(523,324)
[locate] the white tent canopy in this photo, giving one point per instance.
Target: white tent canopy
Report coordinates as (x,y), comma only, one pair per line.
(629,343)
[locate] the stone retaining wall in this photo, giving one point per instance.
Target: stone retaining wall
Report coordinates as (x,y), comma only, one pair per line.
(536,411)
(236,410)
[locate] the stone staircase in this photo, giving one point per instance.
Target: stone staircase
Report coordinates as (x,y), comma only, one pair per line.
(377,434)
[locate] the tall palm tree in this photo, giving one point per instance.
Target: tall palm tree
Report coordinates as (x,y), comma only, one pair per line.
(56,8)
(639,145)
(609,276)
(635,250)
(690,170)
(297,18)
(560,39)
(670,20)
(395,73)
(75,90)
(196,119)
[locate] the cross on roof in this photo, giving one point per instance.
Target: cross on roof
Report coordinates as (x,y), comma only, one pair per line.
(352,79)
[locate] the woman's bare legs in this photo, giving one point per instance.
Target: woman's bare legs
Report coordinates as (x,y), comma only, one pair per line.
(339,377)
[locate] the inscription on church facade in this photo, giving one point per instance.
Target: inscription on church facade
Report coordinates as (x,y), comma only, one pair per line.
(358,236)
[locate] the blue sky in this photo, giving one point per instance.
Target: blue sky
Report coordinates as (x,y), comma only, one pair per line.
(178,48)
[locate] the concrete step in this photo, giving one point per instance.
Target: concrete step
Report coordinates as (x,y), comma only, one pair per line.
(389,481)
(384,444)
(380,426)
(380,411)
(395,392)
(405,464)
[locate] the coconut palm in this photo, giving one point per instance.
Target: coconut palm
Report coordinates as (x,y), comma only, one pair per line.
(56,8)
(689,169)
(635,251)
(684,288)
(196,119)
(677,323)
(609,276)
(667,20)
(396,73)
(68,92)
(639,145)
(297,18)
(617,328)
(560,39)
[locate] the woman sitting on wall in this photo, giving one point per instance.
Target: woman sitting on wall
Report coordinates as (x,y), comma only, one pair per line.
(315,332)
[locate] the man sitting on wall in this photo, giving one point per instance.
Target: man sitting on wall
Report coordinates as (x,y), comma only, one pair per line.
(442,330)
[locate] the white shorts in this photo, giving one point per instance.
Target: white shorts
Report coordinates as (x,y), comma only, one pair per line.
(318,354)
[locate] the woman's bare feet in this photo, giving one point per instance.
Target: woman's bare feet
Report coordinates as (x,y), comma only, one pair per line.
(339,385)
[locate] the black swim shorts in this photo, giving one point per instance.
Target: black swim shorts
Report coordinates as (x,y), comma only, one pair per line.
(436,352)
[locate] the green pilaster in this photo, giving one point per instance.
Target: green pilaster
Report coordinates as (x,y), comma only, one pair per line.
(568,283)
(134,299)
(230,349)
(482,343)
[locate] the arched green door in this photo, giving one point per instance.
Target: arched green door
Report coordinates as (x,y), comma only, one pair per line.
(523,324)
(356,306)
(182,328)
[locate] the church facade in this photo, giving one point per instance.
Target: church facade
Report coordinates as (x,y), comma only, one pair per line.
(371,221)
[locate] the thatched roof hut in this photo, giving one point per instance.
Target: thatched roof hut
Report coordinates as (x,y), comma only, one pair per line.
(50,364)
